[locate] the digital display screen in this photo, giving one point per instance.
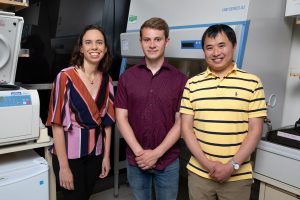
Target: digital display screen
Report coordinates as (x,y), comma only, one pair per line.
(187,45)
(191,44)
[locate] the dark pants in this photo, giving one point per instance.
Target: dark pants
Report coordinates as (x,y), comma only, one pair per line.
(85,172)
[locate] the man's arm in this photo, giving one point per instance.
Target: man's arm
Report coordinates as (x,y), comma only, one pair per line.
(251,140)
(190,139)
(127,132)
(223,172)
(150,157)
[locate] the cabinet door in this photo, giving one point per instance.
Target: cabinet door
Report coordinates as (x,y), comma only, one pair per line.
(272,193)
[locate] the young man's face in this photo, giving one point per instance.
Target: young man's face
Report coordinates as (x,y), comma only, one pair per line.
(153,43)
(219,53)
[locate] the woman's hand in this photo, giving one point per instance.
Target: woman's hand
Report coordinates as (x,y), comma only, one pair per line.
(105,167)
(66,178)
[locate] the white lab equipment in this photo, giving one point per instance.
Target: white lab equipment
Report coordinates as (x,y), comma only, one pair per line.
(277,166)
(23,175)
(19,114)
(278,162)
(10,39)
(263,37)
(263,48)
(292,8)
(19,108)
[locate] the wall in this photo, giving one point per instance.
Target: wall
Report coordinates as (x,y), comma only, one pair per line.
(74,15)
(268,50)
(291,111)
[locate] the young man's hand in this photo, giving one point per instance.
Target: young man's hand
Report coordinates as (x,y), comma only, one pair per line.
(147,159)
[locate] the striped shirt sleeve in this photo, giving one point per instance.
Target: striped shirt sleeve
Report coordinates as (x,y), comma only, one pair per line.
(109,113)
(186,106)
(58,100)
(257,106)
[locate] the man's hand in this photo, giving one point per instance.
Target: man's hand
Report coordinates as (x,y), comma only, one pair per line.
(222,172)
(147,159)
(210,166)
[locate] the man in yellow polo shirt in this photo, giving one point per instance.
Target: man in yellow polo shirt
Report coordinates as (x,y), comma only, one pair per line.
(222,113)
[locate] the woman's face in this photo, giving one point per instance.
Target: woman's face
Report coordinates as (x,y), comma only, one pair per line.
(93,46)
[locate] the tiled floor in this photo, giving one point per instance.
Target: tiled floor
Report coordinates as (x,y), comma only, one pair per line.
(124,194)
(105,191)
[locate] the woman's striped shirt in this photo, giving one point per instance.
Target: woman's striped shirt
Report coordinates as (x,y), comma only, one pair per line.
(81,116)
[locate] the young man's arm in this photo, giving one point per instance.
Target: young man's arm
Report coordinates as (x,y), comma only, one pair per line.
(149,158)
(127,132)
(223,171)
(190,139)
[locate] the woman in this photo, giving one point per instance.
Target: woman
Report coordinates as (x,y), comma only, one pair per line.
(81,114)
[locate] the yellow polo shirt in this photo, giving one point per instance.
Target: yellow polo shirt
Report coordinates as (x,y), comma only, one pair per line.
(221,108)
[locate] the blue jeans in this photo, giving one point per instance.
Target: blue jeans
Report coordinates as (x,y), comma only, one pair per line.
(165,182)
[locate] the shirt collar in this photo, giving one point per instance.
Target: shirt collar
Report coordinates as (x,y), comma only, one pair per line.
(166,65)
(208,72)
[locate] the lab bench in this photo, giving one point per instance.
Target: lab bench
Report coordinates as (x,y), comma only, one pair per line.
(277,169)
(271,189)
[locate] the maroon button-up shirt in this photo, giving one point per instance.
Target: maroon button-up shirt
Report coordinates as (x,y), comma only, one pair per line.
(151,101)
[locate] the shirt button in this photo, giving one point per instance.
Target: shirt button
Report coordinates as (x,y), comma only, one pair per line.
(151,90)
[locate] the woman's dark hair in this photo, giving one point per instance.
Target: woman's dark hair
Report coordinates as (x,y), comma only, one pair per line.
(214,30)
(77,57)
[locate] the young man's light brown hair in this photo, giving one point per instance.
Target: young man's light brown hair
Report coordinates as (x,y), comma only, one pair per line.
(156,23)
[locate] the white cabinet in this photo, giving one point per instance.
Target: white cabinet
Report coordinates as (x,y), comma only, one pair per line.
(292,7)
(48,157)
(268,192)
(277,168)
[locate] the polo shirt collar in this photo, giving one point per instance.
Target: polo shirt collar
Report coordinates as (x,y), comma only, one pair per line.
(208,72)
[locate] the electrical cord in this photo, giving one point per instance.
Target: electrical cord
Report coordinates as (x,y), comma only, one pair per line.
(297,126)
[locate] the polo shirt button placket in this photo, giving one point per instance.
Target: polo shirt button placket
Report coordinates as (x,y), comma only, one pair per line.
(219,91)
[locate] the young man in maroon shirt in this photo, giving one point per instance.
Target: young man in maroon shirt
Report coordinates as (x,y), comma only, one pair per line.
(147,112)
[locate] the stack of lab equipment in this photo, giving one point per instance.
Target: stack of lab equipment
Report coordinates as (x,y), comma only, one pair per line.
(19,108)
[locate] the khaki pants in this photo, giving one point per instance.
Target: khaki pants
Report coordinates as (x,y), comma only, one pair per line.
(207,189)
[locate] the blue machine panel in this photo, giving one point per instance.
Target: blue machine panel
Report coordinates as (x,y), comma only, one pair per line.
(191,44)
(15,100)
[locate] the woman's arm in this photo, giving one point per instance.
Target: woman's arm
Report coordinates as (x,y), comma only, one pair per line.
(65,174)
(106,153)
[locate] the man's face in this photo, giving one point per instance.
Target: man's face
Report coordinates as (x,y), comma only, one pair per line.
(153,43)
(219,53)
